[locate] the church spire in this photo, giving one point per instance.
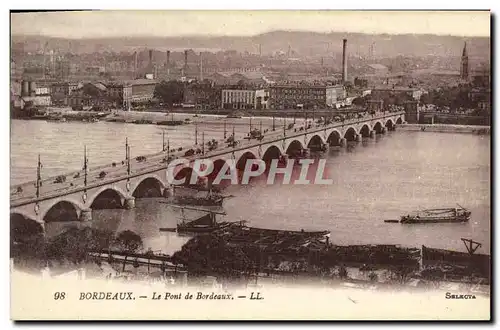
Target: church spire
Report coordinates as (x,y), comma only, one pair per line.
(464,64)
(464,52)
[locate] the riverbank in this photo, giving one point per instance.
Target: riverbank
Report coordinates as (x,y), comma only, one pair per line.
(155,117)
(446,128)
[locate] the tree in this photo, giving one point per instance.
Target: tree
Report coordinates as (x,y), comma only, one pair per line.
(343,274)
(211,254)
(128,241)
(74,244)
(373,277)
(170,92)
(402,273)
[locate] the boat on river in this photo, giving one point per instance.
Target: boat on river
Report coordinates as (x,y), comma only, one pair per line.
(211,199)
(202,225)
(437,215)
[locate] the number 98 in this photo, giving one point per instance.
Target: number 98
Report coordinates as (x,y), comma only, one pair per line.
(59,295)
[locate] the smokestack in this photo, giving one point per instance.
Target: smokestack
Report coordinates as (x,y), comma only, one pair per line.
(344,61)
(168,63)
(135,65)
(185,59)
(201,66)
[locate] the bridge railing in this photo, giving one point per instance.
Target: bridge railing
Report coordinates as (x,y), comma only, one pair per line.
(269,137)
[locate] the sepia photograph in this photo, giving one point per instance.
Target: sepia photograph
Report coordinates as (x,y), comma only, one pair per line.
(250,165)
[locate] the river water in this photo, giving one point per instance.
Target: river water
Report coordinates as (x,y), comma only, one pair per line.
(377,179)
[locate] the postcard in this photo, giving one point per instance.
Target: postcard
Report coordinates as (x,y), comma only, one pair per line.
(250,165)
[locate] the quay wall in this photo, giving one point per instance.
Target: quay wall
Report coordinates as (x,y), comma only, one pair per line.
(447,128)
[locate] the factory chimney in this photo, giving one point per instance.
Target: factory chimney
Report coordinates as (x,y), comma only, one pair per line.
(151,57)
(344,61)
(135,65)
(168,62)
(201,66)
(185,59)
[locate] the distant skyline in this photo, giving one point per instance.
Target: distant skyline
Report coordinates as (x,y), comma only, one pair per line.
(95,24)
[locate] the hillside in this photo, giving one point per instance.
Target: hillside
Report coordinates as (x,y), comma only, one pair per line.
(300,43)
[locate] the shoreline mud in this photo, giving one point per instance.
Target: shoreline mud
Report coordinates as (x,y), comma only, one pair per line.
(446,128)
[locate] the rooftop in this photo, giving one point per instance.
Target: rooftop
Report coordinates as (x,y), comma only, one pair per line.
(377,66)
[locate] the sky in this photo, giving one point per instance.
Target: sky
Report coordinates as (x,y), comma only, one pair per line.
(93,24)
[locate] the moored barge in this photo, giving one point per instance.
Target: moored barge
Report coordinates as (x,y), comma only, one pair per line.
(437,215)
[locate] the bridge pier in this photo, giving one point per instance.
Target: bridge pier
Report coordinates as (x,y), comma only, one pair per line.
(373,133)
(86,215)
(342,142)
(383,130)
(358,138)
(129,203)
(168,192)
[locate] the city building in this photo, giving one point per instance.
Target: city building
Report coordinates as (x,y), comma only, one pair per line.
(125,94)
(376,69)
(482,98)
(120,94)
(205,95)
(261,99)
(238,99)
(142,90)
(305,96)
(27,92)
(381,93)
(89,95)
(243,98)
(60,91)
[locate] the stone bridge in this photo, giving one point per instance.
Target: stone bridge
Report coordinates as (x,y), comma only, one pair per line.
(74,201)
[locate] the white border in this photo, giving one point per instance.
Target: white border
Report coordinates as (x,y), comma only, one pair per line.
(186,4)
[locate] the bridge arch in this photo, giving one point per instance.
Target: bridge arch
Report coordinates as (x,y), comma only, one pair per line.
(316,142)
(334,138)
(389,124)
(294,147)
(350,134)
(365,130)
(218,165)
(61,211)
(107,198)
(315,139)
(23,227)
(150,186)
(272,152)
(377,127)
(186,172)
(399,120)
(241,162)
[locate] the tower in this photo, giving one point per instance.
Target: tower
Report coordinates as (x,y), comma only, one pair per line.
(464,64)
(344,61)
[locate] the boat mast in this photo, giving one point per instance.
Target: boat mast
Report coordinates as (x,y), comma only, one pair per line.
(38,177)
(163,140)
(203,143)
(196,133)
(85,165)
(127,155)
